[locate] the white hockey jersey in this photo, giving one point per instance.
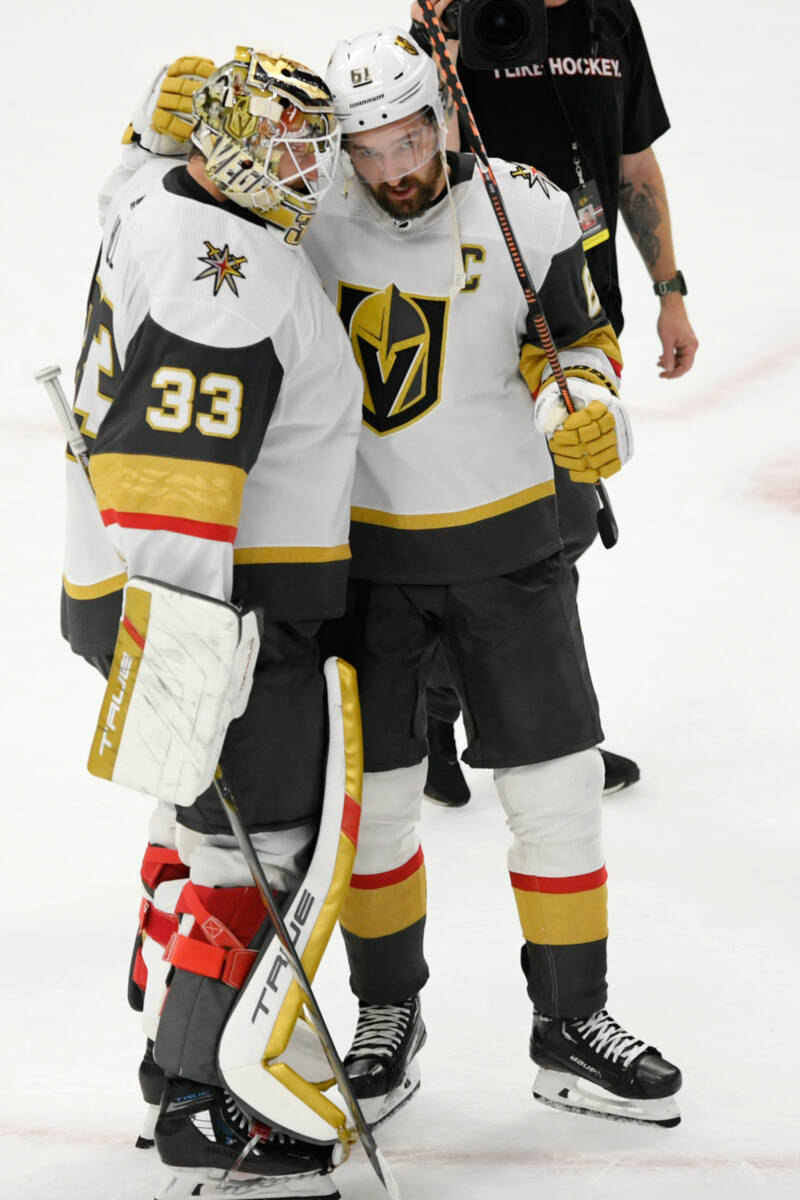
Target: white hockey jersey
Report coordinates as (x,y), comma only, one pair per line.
(453,481)
(218,394)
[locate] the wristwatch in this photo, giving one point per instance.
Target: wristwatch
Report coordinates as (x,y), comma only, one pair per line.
(665,286)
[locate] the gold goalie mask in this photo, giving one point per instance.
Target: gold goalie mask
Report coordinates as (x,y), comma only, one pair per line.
(266,127)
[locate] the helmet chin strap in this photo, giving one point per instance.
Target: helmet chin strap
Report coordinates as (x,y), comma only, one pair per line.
(459,274)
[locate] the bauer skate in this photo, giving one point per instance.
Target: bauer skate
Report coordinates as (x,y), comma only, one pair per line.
(213,1150)
(381,1063)
(594,1066)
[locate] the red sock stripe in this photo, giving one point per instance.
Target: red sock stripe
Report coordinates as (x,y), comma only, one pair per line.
(559,885)
(387,878)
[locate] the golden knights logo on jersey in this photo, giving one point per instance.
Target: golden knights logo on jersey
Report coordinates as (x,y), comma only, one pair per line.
(398,342)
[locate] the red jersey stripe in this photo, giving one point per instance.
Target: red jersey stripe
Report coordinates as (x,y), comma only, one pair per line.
(199,529)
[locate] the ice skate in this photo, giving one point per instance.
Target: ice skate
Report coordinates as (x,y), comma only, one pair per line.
(212,1149)
(445,783)
(381,1063)
(151,1082)
(594,1066)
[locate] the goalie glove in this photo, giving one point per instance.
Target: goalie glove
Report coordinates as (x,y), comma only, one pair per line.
(162,122)
(182,671)
(593,441)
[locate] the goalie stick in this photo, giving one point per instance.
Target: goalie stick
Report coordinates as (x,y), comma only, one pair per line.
(49,376)
(606,521)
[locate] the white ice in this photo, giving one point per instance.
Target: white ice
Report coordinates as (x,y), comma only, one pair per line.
(691,624)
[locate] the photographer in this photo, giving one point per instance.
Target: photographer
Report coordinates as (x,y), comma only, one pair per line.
(586,115)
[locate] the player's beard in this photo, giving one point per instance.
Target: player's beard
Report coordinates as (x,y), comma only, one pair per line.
(426,183)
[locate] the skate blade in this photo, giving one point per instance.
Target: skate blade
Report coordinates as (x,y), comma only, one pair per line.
(208,1184)
(557,1089)
(378,1109)
(146,1138)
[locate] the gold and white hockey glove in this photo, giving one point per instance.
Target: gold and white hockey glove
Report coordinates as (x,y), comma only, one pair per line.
(593,441)
(163,121)
(182,671)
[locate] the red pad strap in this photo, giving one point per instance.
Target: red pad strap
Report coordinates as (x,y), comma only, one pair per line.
(159,865)
(157,924)
(211,948)
(230,966)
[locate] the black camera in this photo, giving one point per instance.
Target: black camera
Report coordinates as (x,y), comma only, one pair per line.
(498,33)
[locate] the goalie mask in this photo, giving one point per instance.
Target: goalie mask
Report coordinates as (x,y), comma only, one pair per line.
(383,79)
(266,127)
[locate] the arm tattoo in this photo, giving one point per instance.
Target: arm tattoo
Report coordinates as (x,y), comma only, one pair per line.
(642,216)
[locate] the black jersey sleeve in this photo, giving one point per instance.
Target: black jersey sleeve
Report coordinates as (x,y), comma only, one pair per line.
(645,117)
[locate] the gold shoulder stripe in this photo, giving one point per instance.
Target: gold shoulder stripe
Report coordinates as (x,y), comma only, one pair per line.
(93,591)
(467,516)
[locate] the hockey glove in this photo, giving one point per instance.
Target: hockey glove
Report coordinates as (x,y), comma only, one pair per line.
(591,442)
(182,671)
(163,121)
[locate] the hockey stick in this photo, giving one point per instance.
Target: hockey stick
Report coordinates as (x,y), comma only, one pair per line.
(49,376)
(606,521)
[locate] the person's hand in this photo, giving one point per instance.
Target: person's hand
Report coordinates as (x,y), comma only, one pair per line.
(592,442)
(163,121)
(678,340)
(439,7)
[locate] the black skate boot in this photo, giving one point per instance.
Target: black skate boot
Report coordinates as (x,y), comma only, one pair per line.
(215,1151)
(381,1063)
(594,1066)
(445,783)
(620,772)
(151,1082)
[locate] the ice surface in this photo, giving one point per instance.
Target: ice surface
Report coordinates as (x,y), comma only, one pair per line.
(691,625)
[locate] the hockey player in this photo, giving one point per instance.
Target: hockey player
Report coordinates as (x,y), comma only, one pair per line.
(220,403)
(455,541)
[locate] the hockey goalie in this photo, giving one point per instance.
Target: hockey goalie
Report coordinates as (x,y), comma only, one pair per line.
(220,405)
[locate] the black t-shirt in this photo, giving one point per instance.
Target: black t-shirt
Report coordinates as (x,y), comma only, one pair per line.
(608,101)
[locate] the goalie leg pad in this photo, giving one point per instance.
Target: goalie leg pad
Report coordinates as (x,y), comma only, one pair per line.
(259,1059)
(182,670)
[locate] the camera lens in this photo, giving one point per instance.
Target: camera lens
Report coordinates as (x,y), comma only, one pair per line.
(502,26)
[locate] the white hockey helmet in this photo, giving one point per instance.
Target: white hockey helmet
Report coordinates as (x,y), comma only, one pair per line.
(266,126)
(382,77)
